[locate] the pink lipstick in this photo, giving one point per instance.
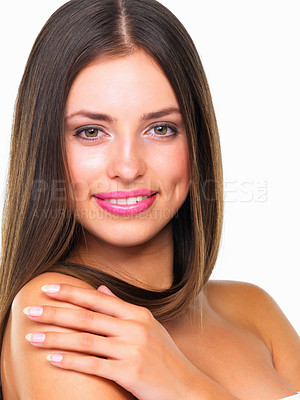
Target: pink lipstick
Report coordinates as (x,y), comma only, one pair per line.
(126,203)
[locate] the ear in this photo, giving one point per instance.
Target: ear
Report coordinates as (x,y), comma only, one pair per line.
(105,290)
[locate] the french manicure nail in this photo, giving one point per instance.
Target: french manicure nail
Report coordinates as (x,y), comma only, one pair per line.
(52,289)
(35,337)
(54,357)
(33,311)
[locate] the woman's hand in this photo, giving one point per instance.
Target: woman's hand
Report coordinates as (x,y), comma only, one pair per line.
(118,341)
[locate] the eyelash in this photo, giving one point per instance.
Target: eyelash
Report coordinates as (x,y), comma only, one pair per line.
(162,137)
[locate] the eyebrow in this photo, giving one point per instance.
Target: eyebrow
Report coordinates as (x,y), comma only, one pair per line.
(105,117)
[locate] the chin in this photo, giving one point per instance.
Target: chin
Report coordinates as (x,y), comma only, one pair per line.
(126,235)
(128,238)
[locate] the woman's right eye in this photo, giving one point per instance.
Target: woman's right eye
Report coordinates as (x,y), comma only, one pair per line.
(88,134)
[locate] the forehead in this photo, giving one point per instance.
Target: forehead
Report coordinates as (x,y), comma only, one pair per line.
(134,81)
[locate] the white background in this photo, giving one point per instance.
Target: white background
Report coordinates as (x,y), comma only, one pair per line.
(250,51)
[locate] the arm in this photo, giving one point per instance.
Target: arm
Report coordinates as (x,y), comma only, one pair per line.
(280,336)
(33,376)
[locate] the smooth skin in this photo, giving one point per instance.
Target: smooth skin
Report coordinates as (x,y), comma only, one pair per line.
(240,347)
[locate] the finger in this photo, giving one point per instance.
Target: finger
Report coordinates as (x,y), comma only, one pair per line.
(80,342)
(92,299)
(107,369)
(83,319)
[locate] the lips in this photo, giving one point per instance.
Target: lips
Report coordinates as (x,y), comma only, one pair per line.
(126,203)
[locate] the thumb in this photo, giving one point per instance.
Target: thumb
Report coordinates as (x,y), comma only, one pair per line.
(105,290)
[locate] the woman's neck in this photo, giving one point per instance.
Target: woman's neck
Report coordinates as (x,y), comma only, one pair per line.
(148,265)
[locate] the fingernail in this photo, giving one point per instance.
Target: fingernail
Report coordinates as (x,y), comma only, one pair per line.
(33,311)
(105,290)
(36,337)
(52,289)
(54,357)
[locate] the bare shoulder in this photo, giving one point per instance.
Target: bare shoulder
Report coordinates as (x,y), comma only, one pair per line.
(32,290)
(251,306)
(33,377)
(236,300)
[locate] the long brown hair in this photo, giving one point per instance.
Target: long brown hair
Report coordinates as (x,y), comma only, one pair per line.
(42,233)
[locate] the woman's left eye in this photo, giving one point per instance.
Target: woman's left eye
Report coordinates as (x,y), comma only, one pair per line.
(161,130)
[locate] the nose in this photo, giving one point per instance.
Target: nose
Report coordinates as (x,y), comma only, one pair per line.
(127,162)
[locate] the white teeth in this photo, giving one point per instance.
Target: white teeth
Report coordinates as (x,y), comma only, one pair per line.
(132,200)
(129,200)
(121,201)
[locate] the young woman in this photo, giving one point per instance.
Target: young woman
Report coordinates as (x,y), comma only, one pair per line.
(112,225)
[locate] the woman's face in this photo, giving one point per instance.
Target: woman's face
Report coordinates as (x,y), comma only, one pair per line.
(125,138)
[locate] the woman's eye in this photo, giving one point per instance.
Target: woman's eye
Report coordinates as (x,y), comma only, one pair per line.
(162,130)
(88,134)
(91,132)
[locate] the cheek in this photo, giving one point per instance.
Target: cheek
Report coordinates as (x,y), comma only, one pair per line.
(82,166)
(172,171)
(84,169)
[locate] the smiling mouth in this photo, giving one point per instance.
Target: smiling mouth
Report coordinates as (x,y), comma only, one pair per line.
(126,205)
